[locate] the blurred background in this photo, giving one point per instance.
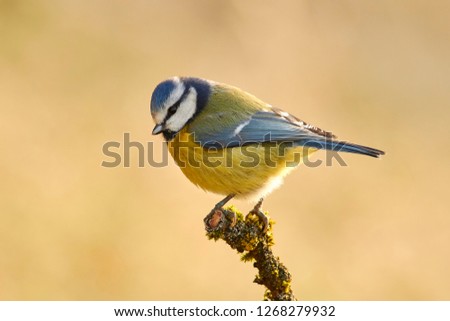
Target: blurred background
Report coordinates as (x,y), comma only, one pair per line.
(75,75)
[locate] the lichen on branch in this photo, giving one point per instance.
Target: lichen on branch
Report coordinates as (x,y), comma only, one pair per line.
(247,236)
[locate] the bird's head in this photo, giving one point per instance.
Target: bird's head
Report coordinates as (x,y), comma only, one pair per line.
(175,102)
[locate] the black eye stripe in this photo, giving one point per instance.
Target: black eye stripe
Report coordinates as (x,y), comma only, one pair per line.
(172,109)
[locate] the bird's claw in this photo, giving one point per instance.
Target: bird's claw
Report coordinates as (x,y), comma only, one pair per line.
(262,217)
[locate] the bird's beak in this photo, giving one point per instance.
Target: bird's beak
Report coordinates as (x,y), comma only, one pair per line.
(158,129)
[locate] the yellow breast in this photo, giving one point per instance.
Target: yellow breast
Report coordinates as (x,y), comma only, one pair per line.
(248,171)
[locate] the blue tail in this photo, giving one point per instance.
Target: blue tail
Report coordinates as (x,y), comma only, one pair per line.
(340,146)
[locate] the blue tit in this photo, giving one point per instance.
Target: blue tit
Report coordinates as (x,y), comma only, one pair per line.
(229,142)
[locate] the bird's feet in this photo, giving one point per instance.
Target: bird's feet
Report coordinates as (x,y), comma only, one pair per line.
(257,211)
(217,216)
(220,218)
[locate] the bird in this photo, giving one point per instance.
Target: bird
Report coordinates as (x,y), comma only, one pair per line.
(229,142)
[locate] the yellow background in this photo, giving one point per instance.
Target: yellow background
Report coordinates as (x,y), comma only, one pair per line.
(74,75)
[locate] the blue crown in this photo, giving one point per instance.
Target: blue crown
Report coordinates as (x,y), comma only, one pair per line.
(161,93)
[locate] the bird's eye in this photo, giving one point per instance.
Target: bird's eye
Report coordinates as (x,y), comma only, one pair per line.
(172,110)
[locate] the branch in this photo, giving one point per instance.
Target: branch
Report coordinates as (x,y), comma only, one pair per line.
(246,235)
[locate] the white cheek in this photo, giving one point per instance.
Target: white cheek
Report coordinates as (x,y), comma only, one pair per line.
(184,112)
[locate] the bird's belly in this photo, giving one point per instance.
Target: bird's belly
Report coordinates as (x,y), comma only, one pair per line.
(247,171)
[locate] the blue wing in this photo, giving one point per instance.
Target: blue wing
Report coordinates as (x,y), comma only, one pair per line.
(262,126)
(276,126)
